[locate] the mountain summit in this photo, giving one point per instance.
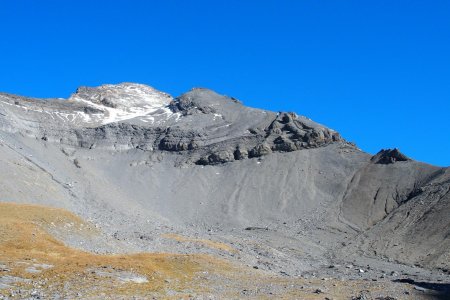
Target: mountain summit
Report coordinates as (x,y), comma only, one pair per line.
(123,101)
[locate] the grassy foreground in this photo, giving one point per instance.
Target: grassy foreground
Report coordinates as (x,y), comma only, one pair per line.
(33,261)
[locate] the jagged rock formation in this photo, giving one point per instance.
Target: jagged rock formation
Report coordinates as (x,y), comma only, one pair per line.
(142,163)
(389,156)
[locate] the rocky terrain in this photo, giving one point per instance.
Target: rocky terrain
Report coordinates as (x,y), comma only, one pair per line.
(123,191)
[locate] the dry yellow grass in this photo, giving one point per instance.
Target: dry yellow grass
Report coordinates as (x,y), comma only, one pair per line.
(24,241)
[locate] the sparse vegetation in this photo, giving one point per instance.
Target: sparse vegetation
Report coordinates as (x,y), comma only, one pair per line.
(24,242)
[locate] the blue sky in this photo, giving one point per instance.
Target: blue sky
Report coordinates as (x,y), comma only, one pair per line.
(376,71)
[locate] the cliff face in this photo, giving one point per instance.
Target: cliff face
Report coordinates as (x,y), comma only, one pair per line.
(137,160)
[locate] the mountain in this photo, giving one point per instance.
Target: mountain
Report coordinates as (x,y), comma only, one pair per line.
(183,175)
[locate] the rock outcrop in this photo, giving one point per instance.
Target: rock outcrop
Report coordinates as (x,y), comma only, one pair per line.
(389,156)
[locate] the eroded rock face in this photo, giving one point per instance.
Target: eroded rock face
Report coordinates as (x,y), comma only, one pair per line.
(288,133)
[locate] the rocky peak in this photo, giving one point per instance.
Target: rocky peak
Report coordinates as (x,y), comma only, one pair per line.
(122,101)
(124,96)
(202,100)
(389,156)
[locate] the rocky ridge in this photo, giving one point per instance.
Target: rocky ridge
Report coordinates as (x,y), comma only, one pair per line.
(129,116)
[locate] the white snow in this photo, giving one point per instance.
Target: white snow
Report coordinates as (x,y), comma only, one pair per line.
(6,103)
(130,101)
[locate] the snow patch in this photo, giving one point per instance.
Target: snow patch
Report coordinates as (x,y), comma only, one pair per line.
(127,101)
(115,103)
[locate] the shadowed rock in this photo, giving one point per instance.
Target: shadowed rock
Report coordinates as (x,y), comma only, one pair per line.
(389,156)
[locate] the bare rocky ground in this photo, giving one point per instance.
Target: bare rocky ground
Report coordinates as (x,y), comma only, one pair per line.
(201,197)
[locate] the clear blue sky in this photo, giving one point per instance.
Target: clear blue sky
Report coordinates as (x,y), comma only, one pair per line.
(377,71)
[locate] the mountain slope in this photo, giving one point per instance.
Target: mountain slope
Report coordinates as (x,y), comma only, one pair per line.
(290,195)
